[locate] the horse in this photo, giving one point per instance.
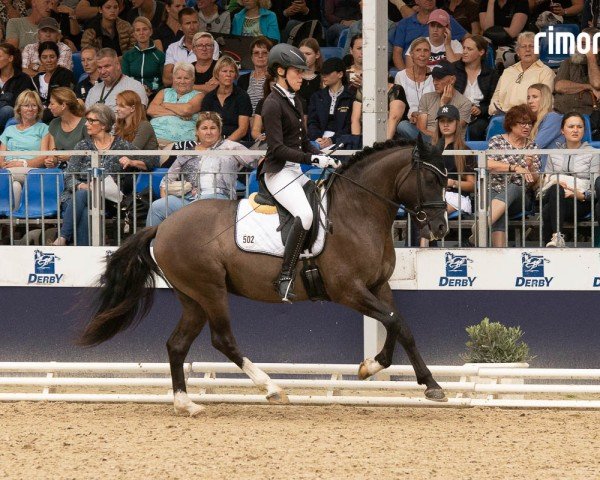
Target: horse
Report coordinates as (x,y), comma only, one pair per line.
(195,252)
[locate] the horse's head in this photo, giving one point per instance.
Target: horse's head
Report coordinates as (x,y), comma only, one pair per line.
(425,197)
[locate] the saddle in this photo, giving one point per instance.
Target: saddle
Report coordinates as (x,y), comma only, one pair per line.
(267,204)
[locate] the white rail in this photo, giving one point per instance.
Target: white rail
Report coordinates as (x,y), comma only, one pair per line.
(474,385)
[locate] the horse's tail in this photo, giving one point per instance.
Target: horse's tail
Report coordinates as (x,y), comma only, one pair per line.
(126,289)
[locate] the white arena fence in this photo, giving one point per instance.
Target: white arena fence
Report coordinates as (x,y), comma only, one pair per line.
(470,385)
(110,222)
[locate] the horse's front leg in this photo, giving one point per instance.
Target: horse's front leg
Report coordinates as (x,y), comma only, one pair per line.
(380,306)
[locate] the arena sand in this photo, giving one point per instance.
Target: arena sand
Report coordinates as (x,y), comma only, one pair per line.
(126,441)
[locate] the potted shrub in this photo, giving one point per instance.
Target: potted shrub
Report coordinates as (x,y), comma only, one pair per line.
(492,344)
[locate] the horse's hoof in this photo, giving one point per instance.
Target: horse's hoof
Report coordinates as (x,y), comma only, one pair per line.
(436,395)
(184,406)
(278,398)
(368,367)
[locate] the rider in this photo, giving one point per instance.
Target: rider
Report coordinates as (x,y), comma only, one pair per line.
(288,147)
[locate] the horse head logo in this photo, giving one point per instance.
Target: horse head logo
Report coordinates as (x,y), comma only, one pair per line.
(44,262)
(456,265)
(533,265)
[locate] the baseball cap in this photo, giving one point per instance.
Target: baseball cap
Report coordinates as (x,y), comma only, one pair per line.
(443,69)
(448,111)
(331,65)
(440,16)
(48,22)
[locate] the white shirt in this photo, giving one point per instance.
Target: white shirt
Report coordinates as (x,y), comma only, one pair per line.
(413,91)
(178,52)
(473,92)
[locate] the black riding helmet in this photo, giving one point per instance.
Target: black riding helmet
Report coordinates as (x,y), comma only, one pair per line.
(285,55)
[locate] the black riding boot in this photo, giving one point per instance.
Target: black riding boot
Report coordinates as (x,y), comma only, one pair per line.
(293,247)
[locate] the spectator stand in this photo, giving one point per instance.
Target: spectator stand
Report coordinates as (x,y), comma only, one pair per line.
(553,60)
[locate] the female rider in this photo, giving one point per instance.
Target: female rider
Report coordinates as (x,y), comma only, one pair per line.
(287,148)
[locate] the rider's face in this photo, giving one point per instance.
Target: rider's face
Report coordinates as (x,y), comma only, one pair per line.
(294,78)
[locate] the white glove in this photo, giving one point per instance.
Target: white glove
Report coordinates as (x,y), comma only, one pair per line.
(324,161)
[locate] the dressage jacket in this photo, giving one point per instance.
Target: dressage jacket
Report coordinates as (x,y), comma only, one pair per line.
(285,133)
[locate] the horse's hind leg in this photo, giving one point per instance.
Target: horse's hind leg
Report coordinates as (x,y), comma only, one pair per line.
(224,341)
(380,305)
(189,327)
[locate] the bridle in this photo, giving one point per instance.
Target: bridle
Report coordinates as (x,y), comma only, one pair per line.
(418,212)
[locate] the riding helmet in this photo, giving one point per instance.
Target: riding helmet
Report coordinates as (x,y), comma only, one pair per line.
(285,55)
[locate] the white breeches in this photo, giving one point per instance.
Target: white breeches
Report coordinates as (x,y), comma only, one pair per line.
(286,187)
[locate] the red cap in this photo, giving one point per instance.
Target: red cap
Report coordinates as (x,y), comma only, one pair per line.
(440,16)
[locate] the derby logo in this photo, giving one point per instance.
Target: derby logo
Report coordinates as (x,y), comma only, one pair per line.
(44,269)
(456,271)
(532,270)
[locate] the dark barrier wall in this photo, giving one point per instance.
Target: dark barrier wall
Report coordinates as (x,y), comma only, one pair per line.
(562,328)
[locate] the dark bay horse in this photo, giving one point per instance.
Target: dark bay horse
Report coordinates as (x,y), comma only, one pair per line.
(195,252)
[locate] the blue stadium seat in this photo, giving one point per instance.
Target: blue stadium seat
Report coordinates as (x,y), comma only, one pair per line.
(553,60)
(40,196)
(143,181)
(252,182)
(490,60)
(495,127)
(343,37)
(77,66)
(5,192)
(11,121)
(330,52)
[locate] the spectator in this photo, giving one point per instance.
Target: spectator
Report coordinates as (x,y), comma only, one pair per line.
(569,10)
(577,82)
(340,14)
(573,184)
(465,12)
(87,10)
(113,81)
(546,129)
(28,134)
(397,10)
(67,128)
(48,32)
(356,28)
(204,65)
(23,31)
(175,109)
(416,26)
(151,10)
(476,81)
(92,75)
(502,23)
(461,179)
(209,176)
(144,62)
(442,46)
(133,126)
(292,13)
(416,82)
(11,9)
(517,123)
(107,30)
(253,83)
(212,17)
(256,19)
(15,81)
(100,120)
(68,25)
(516,79)
(169,31)
(182,50)
(51,76)
(330,109)
(311,78)
(229,101)
(397,110)
(354,73)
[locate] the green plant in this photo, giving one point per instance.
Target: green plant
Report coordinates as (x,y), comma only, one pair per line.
(492,342)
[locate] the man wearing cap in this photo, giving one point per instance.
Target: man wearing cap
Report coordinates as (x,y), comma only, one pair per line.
(416,26)
(440,40)
(48,31)
(23,31)
(330,109)
(444,77)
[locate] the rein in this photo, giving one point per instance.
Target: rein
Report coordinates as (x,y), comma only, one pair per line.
(418,212)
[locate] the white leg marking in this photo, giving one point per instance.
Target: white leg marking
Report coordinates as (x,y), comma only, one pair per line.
(184,406)
(369,367)
(261,379)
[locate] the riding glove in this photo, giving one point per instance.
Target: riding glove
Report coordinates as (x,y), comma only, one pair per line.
(324,161)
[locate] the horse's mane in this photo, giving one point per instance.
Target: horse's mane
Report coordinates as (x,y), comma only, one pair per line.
(358,157)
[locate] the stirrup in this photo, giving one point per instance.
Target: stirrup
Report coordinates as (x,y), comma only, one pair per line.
(286,289)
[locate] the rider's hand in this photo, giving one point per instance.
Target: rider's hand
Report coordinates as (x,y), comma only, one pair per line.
(324,161)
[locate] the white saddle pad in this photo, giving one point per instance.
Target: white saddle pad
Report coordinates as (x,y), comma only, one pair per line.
(257,232)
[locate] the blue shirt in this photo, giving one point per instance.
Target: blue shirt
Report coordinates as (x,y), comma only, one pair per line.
(23,140)
(410,28)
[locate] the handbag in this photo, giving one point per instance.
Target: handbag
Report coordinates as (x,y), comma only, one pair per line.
(178,188)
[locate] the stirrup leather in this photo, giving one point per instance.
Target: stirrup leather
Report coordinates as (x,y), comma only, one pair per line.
(293,247)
